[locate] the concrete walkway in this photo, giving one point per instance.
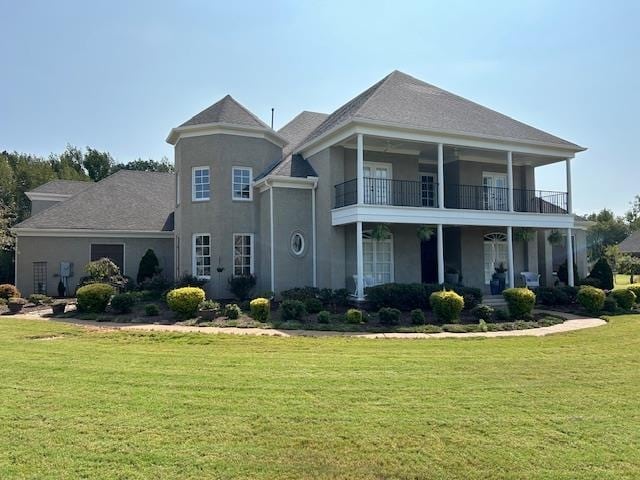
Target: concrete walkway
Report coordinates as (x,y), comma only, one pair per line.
(572,323)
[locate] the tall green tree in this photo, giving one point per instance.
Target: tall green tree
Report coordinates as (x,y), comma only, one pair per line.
(98,164)
(607,229)
(145,166)
(632,217)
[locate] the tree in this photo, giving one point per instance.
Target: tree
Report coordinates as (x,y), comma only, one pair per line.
(632,217)
(149,266)
(98,164)
(145,166)
(629,265)
(601,272)
(606,230)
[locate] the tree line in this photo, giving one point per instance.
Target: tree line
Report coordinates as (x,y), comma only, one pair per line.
(22,172)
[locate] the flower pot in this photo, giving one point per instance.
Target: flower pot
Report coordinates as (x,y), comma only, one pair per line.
(58,308)
(207,315)
(494,285)
(15,307)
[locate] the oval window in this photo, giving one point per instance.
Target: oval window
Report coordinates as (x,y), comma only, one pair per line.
(297,243)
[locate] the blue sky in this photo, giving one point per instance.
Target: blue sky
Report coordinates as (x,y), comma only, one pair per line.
(118,75)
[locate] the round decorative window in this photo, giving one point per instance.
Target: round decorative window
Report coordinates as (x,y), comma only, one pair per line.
(297,243)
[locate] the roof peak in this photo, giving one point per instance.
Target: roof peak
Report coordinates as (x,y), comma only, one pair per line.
(229,111)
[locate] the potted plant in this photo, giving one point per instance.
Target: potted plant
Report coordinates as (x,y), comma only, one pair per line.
(16,304)
(501,276)
(381,232)
(58,307)
(208,310)
(61,288)
(555,237)
(451,275)
(425,232)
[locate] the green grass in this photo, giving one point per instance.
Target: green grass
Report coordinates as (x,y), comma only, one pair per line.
(142,405)
(621,281)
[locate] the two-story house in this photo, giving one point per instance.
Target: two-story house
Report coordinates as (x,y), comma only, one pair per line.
(452,182)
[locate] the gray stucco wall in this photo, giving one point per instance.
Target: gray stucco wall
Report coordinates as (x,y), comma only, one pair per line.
(54,250)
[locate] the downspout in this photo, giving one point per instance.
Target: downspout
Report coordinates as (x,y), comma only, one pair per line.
(313,232)
(272,259)
(15,263)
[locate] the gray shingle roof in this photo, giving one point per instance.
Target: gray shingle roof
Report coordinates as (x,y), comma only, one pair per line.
(406,101)
(126,200)
(631,244)
(299,128)
(62,187)
(229,111)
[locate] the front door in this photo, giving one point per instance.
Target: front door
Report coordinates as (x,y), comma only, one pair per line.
(429,260)
(495,191)
(377,183)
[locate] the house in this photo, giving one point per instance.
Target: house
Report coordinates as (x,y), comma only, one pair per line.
(300,206)
(631,244)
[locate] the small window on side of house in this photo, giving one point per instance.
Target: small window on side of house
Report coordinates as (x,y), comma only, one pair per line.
(201,184)
(241,178)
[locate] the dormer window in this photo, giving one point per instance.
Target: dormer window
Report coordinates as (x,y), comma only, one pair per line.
(241,178)
(201,184)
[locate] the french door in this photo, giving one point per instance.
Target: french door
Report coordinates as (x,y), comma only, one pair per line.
(377,183)
(428,189)
(495,254)
(495,191)
(378,259)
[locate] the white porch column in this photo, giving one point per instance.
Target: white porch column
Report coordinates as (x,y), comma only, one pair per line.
(510,266)
(570,278)
(569,198)
(510,179)
(440,246)
(440,176)
(360,169)
(359,262)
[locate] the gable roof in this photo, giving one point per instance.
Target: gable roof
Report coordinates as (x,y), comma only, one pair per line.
(631,244)
(405,101)
(228,111)
(62,187)
(126,200)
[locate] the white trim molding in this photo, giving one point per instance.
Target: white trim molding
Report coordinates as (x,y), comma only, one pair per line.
(305,183)
(47,197)
(82,233)
(224,129)
(251,252)
(233,171)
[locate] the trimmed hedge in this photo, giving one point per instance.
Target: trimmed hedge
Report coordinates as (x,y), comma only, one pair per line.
(313,305)
(324,317)
(520,302)
(409,296)
(389,316)
(591,298)
(447,305)
(123,302)
(292,310)
(635,288)
(482,312)
(354,316)
(260,309)
(624,297)
(184,301)
(417,317)
(94,298)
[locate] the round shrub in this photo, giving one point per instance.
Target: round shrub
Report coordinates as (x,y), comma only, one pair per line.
(417,317)
(151,310)
(123,302)
(389,316)
(447,305)
(8,291)
(292,310)
(260,309)
(184,301)
(94,298)
(601,271)
(232,311)
(482,312)
(501,315)
(591,299)
(324,317)
(354,316)
(635,288)
(313,305)
(610,305)
(552,296)
(470,301)
(625,298)
(520,301)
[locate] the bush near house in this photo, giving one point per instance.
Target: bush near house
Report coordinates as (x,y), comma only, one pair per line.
(94,297)
(184,301)
(39,299)
(123,302)
(151,310)
(635,288)
(232,311)
(354,316)
(260,309)
(324,317)
(417,317)
(8,291)
(292,310)
(591,299)
(302,294)
(482,312)
(601,271)
(552,296)
(389,316)
(148,267)
(409,296)
(447,305)
(313,305)
(624,297)
(520,302)
(241,286)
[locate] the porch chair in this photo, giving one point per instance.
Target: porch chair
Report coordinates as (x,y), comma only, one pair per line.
(367,280)
(530,279)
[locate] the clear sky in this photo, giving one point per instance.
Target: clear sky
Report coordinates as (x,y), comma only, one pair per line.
(118,75)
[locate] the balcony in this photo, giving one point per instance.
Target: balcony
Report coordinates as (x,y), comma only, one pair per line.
(409,193)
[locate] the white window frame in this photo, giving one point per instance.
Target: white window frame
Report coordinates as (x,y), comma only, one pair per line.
(193,183)
(421,176)
(241,199)
(251,255)
(304,244)
(366,239)
(492,240)
(194,266)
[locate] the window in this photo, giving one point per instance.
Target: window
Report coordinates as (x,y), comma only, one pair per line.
(297,243)
(241,183)
(428,188)
(40,277)
(201,184)
(202,255)
(114,252)
(242,254)
(378,259)
(495,253)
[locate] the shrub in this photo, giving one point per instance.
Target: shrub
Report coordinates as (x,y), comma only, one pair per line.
(482,312)
(184,301)
(324,317)
(625,298)
(157,284)
(389,316)
(591,282)
(122,302)
(151,310)
(635,288)
(570,292)
(501,315)
(232,311)
(148,267)
(469,294)
(188,280)
(563,272)
(417,317)
(551,296)
(39,299)
(447,305)
(325,295)
(3,302)
(354,316)
(602,272)
(520,301)
(241,286)
(104,271)
(8,291)
(403,296)
(610,305)
(260,309)
(313,305)
(470,301)
(245,306)
(94,298)
(482,325)
(292,310)
(591,299)
(301,294)
(340,296)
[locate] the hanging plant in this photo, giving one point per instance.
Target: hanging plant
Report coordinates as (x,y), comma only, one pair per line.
(555,237)
(381,232)
(425,232)
(524,234)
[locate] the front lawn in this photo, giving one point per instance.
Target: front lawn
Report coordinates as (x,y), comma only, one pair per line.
(81,403)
